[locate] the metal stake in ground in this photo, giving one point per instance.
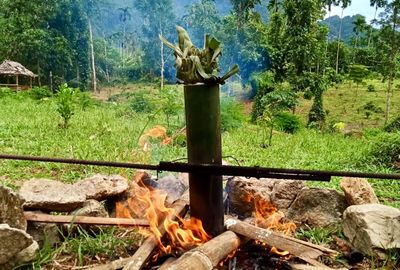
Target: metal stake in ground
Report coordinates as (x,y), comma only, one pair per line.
(203,129)
(197,69)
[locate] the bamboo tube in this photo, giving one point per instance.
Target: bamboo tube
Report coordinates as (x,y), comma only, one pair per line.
(207,256)
(203,130)
(81,220)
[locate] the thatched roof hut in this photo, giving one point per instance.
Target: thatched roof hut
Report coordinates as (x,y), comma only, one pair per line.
(11,68)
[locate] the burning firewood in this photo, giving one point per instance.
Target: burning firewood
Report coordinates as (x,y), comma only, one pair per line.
(207,256)
(301,249)
(138,260)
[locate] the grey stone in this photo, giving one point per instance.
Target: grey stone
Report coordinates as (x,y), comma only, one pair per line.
(358,191)
(11,211)
(92,208)
(42,233)
(172,186)
(13,241)
(318,207)
(27,255)
(371,227)
(50,195)
(100,187)
(243,193)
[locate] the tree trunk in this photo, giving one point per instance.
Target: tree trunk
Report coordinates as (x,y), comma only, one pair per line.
(93,64)
(162,61)
(339,40)
(392,65)
(370,30)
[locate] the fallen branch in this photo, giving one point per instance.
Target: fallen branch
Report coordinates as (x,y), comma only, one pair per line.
(81,220)
(301,249)
(207,256)
(143,253)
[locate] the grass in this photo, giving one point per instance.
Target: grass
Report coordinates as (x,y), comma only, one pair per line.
(110,131)
(344,103)
(81,247)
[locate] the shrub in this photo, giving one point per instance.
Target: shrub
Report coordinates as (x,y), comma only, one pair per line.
(85,100)
(371,88)
(384,150)
(287,122)
(65,103)
(393,126)
(39,93)
(5,91)
(141,103)
(231,114)
(370,107)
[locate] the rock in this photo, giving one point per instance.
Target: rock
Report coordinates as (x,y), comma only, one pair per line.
(11,211)
(318,207)
(13,241)
(127,205)
(92,208)
(243,192)
(358,191)
(100,187)
(44,232)
(51,195)
(370,227)
(285,192)
(27,255)
(172,186)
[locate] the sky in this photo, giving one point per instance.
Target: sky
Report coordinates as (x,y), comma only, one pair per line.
(357,7)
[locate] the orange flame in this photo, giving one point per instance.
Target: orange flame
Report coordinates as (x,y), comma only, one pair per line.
(267,216)
(183,235)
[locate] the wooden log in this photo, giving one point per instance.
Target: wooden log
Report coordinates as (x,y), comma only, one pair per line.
(81,220)
(301,249)
(207,256)
(143,253)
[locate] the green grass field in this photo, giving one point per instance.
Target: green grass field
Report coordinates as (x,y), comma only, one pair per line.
(110,131)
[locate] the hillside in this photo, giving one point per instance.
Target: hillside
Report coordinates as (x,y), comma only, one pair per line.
(333,24)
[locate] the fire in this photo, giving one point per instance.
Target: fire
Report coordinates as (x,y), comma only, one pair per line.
(267,216)
(183,234)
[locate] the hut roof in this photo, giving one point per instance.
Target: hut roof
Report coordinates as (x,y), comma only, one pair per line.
(14,68)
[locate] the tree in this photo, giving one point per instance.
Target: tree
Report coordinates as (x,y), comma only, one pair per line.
(242,9)
(377,4)
(344,4)
(388,47)
(360,25)
(125,15)
(202,18)
(158,19)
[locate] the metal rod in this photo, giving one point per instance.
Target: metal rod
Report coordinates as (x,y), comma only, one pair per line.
(258,172)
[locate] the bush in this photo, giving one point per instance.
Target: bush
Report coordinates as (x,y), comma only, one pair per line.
(5,91)
(371,88)
(65,103)
(393,126)
(287,122)
(39,93)
(384,150)
(231,114)
(141,103)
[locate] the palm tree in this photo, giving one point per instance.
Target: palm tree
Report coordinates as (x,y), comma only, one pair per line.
(124,16)
(360,25)
(377,4)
